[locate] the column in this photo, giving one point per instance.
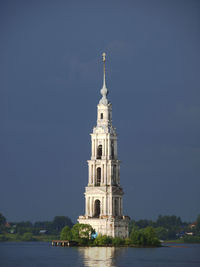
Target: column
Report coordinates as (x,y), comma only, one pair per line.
(109,174)
(113,206)
(89,174)
(109,205)
(106,145)
(108,148)
(95,152)
(103,181)
(88,203)
(105,176)
(86,206)
(92,206)
(115,149)
(92,148)
(93,174)
(102,211)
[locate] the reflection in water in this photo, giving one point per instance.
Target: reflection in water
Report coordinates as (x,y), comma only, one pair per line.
(99,256)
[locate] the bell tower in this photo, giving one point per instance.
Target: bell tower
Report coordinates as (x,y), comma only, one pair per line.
(103,195)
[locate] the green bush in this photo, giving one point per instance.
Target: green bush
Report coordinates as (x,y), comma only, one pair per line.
(82,233)
(102,240)
(66,233)
(137,237)
(151,238)
(144,237)
(127,241)
(161,233)
(117,241)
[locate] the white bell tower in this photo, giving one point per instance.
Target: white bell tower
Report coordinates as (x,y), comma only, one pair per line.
(103,195)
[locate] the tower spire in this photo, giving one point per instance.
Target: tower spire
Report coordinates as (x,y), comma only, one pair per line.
(104,90)
(104,69)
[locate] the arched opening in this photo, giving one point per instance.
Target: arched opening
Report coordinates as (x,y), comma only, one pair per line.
(116,207)
(112,150)
(101,115)
(114,175)
(98,182)
(99,152)
(97,208)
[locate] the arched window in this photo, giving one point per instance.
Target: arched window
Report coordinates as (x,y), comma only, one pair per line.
(101,115)
(114,175)
(97,208)
(98,176)
(112,149)
(99,152)
(116,207)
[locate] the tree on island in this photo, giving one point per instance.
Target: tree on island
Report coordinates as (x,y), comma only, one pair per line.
(82,233)
(66,234)
(144,237)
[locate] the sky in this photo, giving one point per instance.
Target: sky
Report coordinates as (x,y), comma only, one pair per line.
(50,81)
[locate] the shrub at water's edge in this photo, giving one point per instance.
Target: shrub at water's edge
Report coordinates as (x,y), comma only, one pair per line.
(144,237)
(102,240)
(82,233)
(66,233)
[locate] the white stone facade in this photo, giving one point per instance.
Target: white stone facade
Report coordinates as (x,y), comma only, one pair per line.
(103,195)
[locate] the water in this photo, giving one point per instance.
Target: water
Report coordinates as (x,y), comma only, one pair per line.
(36,254)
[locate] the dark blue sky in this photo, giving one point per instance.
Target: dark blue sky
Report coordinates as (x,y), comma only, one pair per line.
(51,76)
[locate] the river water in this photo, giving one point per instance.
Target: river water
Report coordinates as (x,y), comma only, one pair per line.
(38,254)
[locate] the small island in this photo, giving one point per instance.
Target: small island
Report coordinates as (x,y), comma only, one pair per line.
(85,235)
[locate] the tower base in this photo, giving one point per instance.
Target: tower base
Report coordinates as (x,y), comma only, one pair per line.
(113,226)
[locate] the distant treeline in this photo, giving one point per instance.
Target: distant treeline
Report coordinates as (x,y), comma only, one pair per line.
(170,228)
(167,227)
(26,230)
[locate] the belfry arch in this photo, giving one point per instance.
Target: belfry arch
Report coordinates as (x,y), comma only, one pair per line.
(98,180)
(112,150)
(97,208)
(99,152)
(116,207)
